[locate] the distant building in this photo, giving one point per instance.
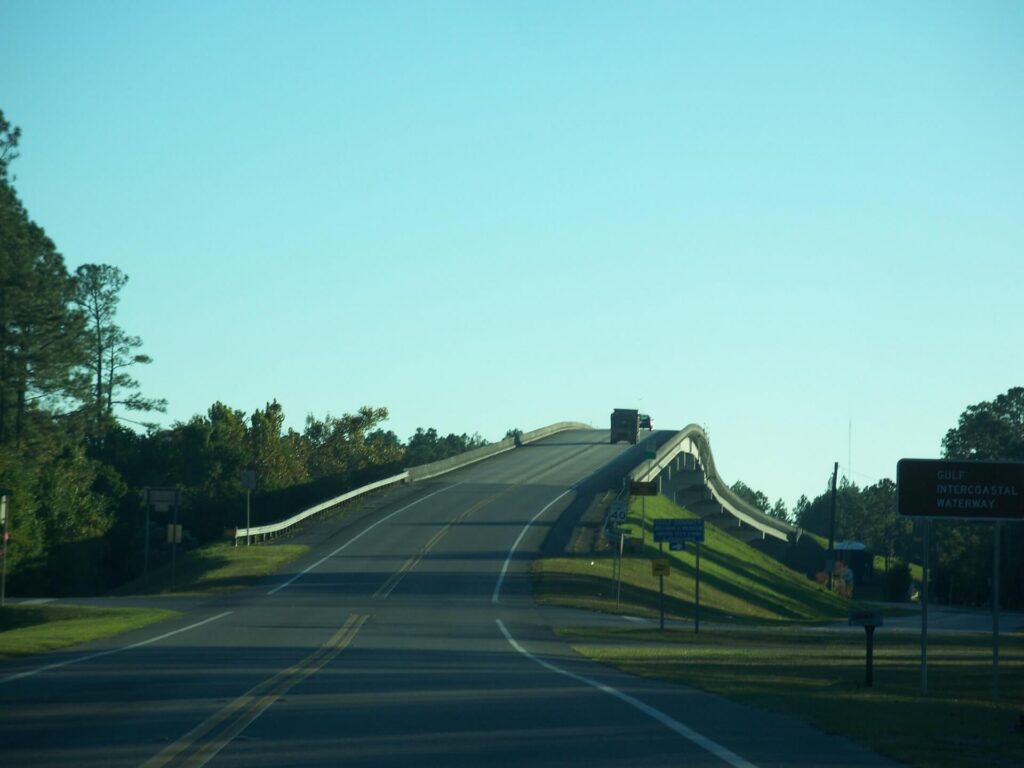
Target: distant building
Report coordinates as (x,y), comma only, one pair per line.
(858,558)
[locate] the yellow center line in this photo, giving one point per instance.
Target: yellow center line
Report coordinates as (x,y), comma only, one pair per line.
(201,744)
(388,586)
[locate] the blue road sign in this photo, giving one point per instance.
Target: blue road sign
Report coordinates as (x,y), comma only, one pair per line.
(678,530)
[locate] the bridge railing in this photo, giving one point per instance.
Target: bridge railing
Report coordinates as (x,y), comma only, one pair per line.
(694,441)
(261,532)
(410,475)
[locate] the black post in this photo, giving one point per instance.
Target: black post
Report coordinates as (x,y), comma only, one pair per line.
(996,549)
(924,606)
(869,671)
(832,530)
(3,552)
(696,615)
(145,550)
(618,584)
(661,587)
(174,543)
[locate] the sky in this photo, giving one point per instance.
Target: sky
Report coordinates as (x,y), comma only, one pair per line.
(798,224)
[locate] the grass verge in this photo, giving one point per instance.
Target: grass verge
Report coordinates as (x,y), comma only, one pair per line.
(216,569)
(738,583)
(818,677)
(29,629)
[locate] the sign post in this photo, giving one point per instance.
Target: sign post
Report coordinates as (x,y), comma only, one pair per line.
(660,567)
(3,554)
(696,604)
(643,489)
(978,491)
(162,500)
(925,578)
(678,531)
(618,586)
(995,610)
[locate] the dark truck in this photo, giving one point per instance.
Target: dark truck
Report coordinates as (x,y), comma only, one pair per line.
(625,425)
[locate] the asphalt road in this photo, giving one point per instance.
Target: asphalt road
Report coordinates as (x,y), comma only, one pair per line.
(405,639)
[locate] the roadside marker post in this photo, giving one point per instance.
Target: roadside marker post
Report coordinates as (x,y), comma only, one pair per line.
(869,620)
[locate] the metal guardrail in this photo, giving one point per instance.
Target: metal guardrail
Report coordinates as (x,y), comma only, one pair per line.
(412,474)
(693,440)
(261,532)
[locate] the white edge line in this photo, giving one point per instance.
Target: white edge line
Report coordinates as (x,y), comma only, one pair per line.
(356,538)
(79,659)
(671,723)
(496,596)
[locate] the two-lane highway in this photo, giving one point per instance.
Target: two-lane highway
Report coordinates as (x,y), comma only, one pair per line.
(407,640)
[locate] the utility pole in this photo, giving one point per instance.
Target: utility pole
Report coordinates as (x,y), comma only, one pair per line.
(832,530)
(248,482)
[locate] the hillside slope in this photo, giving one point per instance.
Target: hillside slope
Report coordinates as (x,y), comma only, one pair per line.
(737,582)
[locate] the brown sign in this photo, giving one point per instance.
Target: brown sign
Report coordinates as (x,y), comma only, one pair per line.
(638,488)
(976,490)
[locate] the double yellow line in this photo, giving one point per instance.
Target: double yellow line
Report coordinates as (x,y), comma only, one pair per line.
(203,742)
(388,586)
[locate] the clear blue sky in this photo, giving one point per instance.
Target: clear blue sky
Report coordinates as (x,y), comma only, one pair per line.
(773,219)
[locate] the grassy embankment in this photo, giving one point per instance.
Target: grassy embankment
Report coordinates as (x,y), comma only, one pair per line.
(215,569)
(211,570)
(761,648)
(738,584)
(29,629)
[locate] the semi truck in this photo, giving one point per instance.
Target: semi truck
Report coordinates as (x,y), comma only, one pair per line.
(625,425)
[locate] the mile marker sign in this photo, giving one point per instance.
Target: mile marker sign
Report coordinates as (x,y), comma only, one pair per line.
(972,490)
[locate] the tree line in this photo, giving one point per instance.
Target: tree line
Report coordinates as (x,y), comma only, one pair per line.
(75,471)
(962,552)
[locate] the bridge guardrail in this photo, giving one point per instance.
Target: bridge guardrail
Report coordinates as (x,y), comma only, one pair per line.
(693,440)
(261,532)
(412,474)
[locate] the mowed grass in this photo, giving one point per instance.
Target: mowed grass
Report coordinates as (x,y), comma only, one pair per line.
(738,583)
(762,642)
(211,570)
(29,629)
(214,569)
(818,677)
